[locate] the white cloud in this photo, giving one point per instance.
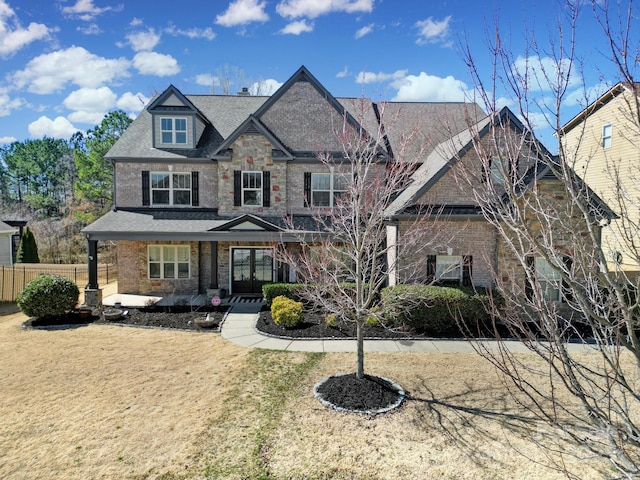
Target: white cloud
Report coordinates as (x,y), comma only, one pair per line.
(371,77)
(315,8)
(152,63)
(91,99)
(136,22)
(206,33)
(143,41)
(207,80)
(265,87)
(582,97)
(366,30)
(430,88)
(243,12)
(91,29)
(296,28)
(132,102)
(432,31)
(344,73)
(540,74)
(8,139)
(8,104)
(86,10)
(13,36)
(58,128)
(50,72)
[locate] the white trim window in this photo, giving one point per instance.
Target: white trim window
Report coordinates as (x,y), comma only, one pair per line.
(173,131)
(170,188)
(607,135)
(251,189)
(328,188)
(449,267)
(169,261)
(549,278)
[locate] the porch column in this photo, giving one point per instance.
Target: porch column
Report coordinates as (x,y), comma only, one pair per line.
(92,293)
(392,254)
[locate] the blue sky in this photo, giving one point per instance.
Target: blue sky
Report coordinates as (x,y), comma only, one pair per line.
(65,63)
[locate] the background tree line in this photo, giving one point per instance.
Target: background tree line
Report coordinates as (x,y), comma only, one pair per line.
(60,186)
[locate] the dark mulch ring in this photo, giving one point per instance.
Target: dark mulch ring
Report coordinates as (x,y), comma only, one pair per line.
(371,394)
(315,326)
(181,318)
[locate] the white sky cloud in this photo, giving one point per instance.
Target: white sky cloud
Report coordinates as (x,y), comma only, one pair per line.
(92,100)
(243,12)
(7,104)
(581,98)
(298,27)
(265,87)
(366,30)
(86,10)
(13,36)
(132,102)
(315,8)
(431,31)
(343,73)
(143,41)
(91,29)
(51,72)
(206,33)
(207,80)
(539,74)
(58,128)
(372,77)
(8,139)
(430,88)
(153,63)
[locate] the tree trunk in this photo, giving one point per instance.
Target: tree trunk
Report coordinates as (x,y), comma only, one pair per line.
(360,350)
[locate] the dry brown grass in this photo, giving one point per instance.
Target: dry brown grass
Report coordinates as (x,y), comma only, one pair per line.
(111,403)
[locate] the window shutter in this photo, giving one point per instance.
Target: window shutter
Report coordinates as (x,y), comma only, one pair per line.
(467,270)
(195,190)
(237,188)
(566,291)
(146,201)
(307,189)
(266,189)
(431,267)
(531,270)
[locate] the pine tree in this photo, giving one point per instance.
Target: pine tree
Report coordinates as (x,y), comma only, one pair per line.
(28,248)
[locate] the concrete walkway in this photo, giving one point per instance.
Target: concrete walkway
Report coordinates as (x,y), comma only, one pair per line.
(239,328)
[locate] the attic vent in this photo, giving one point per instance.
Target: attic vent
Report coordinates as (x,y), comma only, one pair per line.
(244,92)
(251,130)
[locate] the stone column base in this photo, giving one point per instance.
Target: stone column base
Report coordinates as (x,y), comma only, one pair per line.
(93,297)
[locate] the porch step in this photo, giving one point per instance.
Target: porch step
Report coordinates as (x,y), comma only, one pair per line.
(238,299)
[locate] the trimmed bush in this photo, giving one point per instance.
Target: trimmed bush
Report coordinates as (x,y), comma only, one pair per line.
(437,310)
(273,290)
(48,295)
(286,312)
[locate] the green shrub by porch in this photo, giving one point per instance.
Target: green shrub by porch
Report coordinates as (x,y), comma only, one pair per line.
(273,290)
(286,312)
(436,310)
(48,295)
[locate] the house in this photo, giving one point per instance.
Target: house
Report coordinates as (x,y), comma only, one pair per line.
(602,143)
(7,235)
(206,187)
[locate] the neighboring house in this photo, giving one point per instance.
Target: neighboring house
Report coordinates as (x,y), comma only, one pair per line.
(204,184)
(7,234)
(602,142)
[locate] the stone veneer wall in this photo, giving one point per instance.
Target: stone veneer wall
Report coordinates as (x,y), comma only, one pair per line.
(253,153)
(129,181)
(476,238)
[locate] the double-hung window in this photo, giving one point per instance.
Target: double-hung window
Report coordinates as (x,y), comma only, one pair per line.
(170,188)
(169,261)
(252,189)
(549,278)
(607,135)
(328,188)
(449,268)
(173,130)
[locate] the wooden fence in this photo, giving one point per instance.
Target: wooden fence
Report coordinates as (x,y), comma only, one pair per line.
(15,277)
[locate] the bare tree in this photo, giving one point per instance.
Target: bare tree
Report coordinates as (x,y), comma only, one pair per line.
(557,284)
(344,260)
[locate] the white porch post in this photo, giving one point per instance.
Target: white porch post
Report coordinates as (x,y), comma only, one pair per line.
(392,254)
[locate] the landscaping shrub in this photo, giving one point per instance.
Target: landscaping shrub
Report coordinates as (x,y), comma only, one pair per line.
(286,312)
(48,295)
(436,310)
(273,290)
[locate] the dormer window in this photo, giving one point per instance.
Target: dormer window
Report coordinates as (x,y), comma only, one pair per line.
(173,131)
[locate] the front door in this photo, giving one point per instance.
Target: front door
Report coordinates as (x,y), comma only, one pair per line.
(251,268)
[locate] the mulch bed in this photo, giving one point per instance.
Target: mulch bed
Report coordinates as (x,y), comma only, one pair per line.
(180,318)
(370,394)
